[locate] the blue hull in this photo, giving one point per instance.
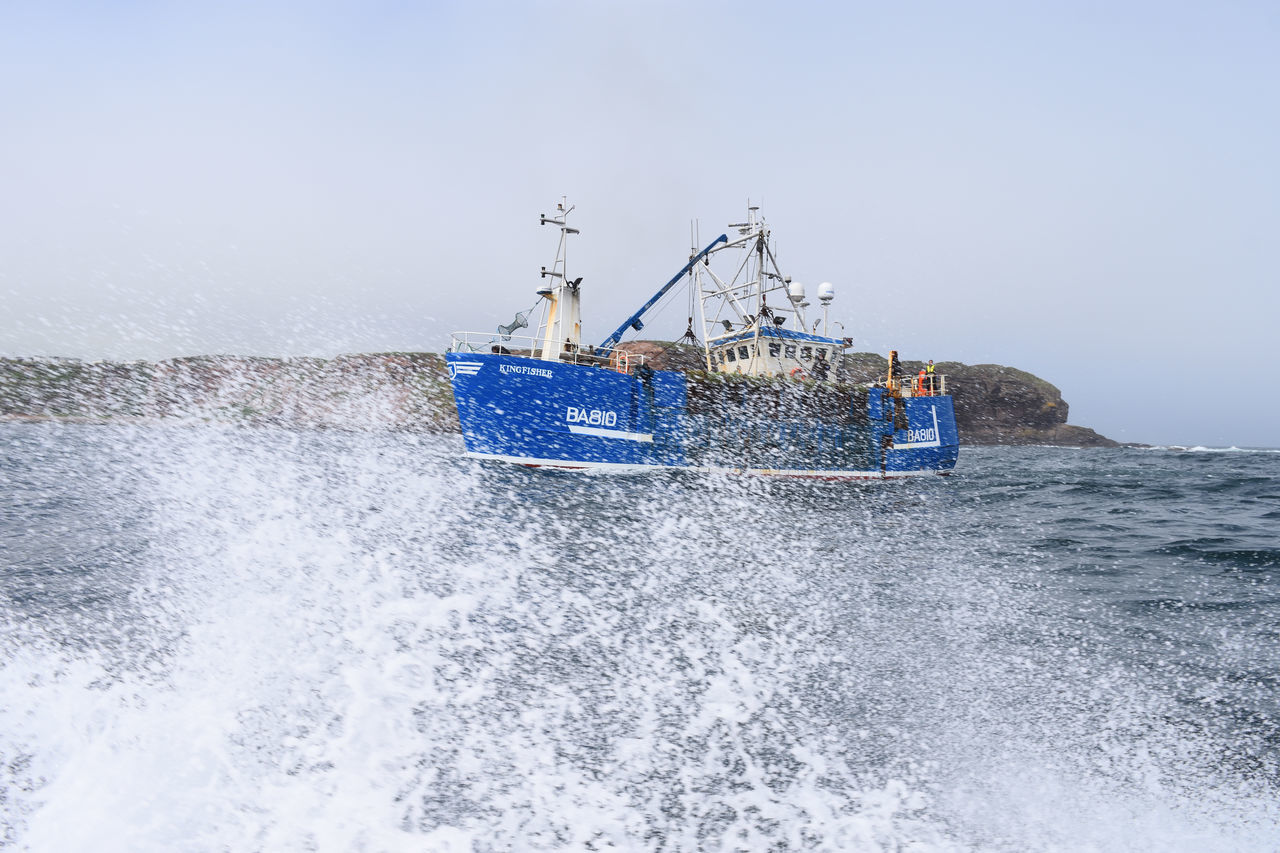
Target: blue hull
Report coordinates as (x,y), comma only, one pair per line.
(550,413)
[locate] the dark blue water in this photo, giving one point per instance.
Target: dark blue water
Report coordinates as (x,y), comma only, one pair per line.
(216,639)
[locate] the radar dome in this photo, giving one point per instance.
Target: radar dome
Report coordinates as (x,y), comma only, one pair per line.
(795,291)
(826,292)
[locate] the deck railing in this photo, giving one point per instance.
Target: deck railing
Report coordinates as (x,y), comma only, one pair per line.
(935,385)
(522,346)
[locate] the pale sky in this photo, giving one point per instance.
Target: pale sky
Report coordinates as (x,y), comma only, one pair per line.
(1088,191)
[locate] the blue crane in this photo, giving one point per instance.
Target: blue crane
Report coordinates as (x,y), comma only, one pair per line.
(633,322)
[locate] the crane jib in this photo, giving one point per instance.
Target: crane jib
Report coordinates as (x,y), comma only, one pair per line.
(633,322)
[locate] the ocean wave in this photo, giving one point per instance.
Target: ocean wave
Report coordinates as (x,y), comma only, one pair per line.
(349,642)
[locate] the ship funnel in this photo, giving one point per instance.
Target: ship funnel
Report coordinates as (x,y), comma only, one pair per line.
(795,292)
(826,292)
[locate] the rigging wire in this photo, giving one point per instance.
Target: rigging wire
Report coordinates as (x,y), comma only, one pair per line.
(656,312)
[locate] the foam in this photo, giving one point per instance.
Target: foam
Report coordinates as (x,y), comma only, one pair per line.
(363,645)
(1202,449)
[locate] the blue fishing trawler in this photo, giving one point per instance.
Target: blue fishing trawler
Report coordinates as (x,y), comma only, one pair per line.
(771,397)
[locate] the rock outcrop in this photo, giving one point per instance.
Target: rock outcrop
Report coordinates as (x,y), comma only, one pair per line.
(410,391)
(406,391)
(994,404)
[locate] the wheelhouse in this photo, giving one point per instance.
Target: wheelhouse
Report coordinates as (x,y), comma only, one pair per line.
(774,351)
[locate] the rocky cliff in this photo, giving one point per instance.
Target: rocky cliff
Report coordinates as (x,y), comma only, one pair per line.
(994,404)
(410,391)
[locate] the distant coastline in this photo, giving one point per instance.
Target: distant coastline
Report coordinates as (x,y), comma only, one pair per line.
(995,404)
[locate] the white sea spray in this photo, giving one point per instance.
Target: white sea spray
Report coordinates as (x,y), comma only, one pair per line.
(350,642)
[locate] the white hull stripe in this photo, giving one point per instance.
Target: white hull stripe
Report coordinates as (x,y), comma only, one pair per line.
(567,465)
(465,368)
(646,437)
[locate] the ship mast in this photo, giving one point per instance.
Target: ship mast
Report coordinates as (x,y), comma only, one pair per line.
(742,301)
(561,329)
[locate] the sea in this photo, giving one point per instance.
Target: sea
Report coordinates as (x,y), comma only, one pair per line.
(240,639)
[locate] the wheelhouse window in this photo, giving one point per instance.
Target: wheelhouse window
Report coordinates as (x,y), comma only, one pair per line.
(806,353)
(775,350)
(743,354)
(791,350)
(729,352)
